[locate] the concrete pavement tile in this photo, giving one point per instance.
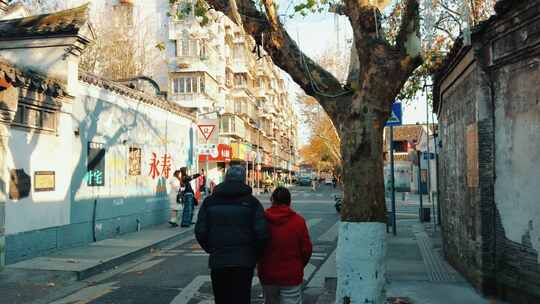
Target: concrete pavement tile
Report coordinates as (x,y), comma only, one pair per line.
(435,293)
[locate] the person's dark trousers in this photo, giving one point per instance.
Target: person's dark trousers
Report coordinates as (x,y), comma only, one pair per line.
(232,285)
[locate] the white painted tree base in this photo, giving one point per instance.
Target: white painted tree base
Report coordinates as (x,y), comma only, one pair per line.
(360,263)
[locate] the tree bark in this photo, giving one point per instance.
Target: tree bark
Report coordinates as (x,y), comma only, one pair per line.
(363,179)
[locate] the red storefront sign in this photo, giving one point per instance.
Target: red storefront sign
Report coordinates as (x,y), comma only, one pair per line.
(224,154)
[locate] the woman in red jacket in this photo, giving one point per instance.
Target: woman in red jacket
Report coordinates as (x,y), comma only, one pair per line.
(281,269)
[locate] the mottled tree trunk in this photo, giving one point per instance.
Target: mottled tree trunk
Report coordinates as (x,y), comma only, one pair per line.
(362,159)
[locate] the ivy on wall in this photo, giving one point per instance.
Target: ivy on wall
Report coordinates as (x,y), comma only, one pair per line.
(184,9)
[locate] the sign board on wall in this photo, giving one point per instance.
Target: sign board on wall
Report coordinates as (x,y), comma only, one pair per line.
(44,181)
(208,149)
(19,184)
(472,155)
(224,154)
(95,167)
(134,168)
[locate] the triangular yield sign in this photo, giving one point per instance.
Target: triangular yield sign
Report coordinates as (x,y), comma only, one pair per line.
(206,130)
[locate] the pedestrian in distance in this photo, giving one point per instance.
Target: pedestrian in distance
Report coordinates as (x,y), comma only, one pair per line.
(175,199)
(281,269)
(232,228)
(188,196)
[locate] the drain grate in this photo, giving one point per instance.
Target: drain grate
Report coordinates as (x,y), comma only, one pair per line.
(437,269)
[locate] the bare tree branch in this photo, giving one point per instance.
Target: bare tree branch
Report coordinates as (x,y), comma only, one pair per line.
(284,51)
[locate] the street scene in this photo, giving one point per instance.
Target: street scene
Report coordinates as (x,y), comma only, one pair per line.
(269,151)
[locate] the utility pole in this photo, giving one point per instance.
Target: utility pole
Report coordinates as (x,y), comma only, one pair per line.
(419,156)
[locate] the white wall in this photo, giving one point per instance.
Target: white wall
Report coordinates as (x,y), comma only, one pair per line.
(43,57)
(111,119)
(33,151)
(517,191)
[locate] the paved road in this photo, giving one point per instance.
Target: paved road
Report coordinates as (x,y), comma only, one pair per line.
(178,274)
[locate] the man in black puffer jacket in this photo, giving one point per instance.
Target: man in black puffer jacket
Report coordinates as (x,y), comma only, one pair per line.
(232,228)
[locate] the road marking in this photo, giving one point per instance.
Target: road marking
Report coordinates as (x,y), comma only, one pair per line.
(318,258)
(145,265)
(328,269)
(331,234)
(196,254)
(190,290)
(88,294)
(308,271)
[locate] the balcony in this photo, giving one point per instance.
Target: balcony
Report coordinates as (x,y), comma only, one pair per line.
(232,125)
(192,100)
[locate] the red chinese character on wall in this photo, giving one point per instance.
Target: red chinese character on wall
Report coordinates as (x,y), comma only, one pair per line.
(154,163)
(166,165)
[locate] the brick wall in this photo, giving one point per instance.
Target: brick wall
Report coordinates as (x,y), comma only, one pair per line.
(460,203)
(491,226)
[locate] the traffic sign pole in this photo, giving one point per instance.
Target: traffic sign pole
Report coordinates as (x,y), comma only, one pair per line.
(394,120)
(392,180)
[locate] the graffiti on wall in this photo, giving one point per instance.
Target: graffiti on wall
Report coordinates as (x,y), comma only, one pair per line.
(160,167)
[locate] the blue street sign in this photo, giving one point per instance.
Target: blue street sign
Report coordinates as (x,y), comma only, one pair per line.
(396,117)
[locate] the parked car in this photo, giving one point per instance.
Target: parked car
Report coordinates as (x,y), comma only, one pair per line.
(304,181)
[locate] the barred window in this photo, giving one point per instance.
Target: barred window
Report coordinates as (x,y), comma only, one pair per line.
(35,117)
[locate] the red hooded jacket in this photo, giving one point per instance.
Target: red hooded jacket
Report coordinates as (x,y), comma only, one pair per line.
(289,248)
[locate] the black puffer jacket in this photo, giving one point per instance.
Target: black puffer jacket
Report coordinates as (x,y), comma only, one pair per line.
(231,226)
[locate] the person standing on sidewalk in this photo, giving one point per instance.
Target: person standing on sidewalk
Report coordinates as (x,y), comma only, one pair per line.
(231,227)
(188,196)
(174,197)
(281,269)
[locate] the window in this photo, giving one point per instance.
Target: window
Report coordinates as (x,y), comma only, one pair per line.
(35,117)
(240,79)
(203,49)
(188,85)
(201,84)
(228,124)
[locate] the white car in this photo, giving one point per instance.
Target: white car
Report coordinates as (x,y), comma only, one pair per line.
(328,181)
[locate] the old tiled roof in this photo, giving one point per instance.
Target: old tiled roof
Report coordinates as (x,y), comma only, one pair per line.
(122,89)
(408,133)
(62,23)
(32,80)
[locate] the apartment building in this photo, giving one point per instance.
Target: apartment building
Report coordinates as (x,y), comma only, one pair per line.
(215,69)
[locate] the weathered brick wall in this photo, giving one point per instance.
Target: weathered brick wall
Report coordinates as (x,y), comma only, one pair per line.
(460,203)
(517,165)
(499,104)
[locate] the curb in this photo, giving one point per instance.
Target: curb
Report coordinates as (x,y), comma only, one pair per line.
(120,259)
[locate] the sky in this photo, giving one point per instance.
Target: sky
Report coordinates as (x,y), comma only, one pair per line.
(316,33)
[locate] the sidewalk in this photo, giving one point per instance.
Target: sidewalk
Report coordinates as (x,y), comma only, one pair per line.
(416,271)
(36,278)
